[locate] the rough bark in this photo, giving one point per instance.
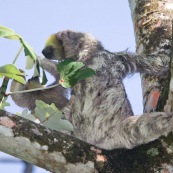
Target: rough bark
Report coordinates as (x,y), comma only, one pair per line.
(152,20)
(59,152)
(43,147)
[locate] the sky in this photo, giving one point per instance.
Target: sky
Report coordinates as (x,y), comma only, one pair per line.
(109,21)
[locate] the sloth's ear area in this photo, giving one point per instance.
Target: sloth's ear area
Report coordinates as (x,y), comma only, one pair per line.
(73,43)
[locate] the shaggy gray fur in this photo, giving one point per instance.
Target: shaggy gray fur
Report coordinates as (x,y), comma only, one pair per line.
(99,109)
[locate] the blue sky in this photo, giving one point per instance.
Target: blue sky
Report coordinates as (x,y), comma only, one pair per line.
(109,21)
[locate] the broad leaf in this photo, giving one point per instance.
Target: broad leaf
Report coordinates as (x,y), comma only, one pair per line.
(85,73)
(10,34)
(6,29)
(70,72)
(26,114)
(68,67)
(31,60)
(50,116)
(11,71)
(29,63)
(28,49)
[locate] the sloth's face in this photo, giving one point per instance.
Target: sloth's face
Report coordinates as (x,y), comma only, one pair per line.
(65,44)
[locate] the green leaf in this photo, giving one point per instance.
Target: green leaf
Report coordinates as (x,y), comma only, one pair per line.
(51,116)
(11,71)
(36,69)
(44,78)
(28,49)
(8,33)
(29,53)
(26,114)
(69,67)
(65,83)
(70,72)
(3,104)
(85,73)
(6,29)
(29,63)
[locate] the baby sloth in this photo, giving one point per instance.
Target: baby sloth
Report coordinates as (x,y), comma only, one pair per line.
(57,95)
(99,109)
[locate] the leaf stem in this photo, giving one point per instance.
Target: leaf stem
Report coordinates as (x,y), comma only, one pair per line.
(3,87)
(18,53)
(31,90)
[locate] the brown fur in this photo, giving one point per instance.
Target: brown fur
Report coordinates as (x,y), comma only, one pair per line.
(57,95)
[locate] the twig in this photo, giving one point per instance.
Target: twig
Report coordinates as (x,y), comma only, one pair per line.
(31,90)
(18,53)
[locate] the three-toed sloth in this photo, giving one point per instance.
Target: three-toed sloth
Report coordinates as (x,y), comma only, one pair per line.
(99,108)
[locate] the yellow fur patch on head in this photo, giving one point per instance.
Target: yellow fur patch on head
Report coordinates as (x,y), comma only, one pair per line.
(58,50)
(52,41)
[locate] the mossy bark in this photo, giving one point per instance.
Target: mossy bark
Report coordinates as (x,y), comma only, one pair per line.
(152,22)
(58,152)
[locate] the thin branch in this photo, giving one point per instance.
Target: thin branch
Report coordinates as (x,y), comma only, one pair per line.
(31,90)
(3,87)
(18,53)
(28,167)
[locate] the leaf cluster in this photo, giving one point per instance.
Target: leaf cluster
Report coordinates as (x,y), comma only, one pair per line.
(49,116)
(72,71)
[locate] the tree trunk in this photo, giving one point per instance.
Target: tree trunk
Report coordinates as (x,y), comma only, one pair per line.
(152,20)
(58,152)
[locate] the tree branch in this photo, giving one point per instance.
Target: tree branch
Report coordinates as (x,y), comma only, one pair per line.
(58,152)
(43,147)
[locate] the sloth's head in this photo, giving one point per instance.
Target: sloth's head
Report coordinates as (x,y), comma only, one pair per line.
(71,44)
